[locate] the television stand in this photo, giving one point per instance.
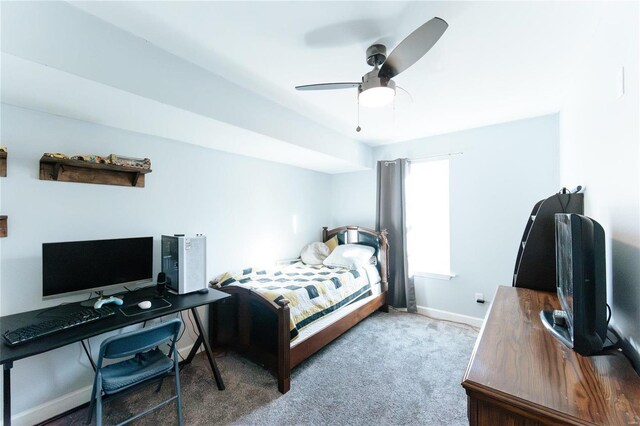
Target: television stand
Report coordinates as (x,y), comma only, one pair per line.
(519,374)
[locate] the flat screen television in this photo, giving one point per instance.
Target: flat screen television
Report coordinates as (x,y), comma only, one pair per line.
(581,284)
(85,266)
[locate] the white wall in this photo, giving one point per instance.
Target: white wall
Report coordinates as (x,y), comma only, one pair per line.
(250,210)
(504,170)
(599,148)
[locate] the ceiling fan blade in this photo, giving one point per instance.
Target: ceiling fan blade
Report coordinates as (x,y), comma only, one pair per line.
(413,47)
(328,86)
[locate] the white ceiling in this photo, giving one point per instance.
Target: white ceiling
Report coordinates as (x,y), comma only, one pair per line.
(498,61)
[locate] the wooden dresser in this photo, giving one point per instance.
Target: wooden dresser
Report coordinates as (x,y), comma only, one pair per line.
(519,374)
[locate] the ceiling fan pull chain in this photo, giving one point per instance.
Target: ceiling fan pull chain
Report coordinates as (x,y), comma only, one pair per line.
(358,102)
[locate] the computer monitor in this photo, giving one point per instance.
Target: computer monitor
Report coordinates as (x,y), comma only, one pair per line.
(96,265)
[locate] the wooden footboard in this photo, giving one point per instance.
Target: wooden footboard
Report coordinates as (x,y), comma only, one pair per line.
(255,327)
(260,329)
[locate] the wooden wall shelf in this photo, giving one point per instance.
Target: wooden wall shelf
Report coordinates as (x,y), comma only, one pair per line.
(3,226)
(3,164)
(64,170)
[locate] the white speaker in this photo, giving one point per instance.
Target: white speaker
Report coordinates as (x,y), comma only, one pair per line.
(184,261)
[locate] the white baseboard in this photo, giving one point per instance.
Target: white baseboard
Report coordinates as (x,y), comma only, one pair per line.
(52,408)
(63,403)
(450,316)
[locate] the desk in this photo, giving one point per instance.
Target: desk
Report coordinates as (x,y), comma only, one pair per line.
(8,354)
(519,374)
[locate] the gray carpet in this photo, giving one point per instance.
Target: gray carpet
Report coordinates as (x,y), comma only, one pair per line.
(394,368)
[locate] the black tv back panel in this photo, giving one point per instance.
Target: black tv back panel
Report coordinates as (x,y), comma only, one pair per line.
(536,261)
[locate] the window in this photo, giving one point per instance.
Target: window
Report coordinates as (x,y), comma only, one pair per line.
(428,234)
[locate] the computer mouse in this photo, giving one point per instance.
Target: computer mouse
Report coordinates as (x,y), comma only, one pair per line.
(145,304)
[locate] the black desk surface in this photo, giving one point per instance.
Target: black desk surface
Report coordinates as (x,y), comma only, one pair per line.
(84,331)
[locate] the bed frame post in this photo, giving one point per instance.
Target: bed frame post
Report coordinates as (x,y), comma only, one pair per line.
(325,230)
(284,347)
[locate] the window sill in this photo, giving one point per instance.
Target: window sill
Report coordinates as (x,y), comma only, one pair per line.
(445,277)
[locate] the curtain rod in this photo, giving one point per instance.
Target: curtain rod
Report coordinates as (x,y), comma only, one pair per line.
(418,160)
(450,154)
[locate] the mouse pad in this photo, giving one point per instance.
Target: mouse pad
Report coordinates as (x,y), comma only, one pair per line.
(134,309)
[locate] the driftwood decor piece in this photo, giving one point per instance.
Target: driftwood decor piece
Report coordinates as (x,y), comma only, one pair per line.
(3,161)
(68,170)
(4,231)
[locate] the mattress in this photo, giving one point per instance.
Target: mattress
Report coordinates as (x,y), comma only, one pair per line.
(314,291)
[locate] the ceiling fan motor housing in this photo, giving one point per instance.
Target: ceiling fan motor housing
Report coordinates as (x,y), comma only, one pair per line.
(376,54)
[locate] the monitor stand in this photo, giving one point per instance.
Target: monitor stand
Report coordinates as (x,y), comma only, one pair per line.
(101,300)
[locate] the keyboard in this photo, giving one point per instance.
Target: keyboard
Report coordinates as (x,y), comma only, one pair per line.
(61,322)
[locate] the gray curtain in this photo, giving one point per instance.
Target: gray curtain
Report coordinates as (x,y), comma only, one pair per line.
(391,215)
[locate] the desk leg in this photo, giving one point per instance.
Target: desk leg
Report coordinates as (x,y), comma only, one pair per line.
(193,351)
(6,392)
(86,351)
(203,339)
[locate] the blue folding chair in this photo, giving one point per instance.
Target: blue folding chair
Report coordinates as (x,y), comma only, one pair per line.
(147,363)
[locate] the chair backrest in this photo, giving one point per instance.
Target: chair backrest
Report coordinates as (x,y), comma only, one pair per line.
(140,340)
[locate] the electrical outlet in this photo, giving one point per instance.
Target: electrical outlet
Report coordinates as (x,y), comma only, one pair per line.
(479,297)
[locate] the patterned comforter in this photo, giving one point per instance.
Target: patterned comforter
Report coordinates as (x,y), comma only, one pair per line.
(313,291)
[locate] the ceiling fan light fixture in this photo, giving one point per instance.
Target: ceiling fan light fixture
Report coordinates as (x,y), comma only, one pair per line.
(376,97)
(376,91)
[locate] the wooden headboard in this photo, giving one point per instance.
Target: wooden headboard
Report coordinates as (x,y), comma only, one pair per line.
(365,236)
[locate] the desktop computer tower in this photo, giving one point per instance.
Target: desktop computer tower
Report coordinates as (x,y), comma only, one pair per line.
(184,262)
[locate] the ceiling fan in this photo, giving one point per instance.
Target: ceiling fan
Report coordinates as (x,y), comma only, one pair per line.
(377,87)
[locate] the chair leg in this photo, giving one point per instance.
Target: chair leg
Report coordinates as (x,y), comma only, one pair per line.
(177,374)
(159,385)
(99,402)
(92,403)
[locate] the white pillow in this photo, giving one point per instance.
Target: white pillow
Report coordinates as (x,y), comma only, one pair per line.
(314,253)
(350,256)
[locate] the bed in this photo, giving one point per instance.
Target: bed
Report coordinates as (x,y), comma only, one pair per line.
(261,323)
